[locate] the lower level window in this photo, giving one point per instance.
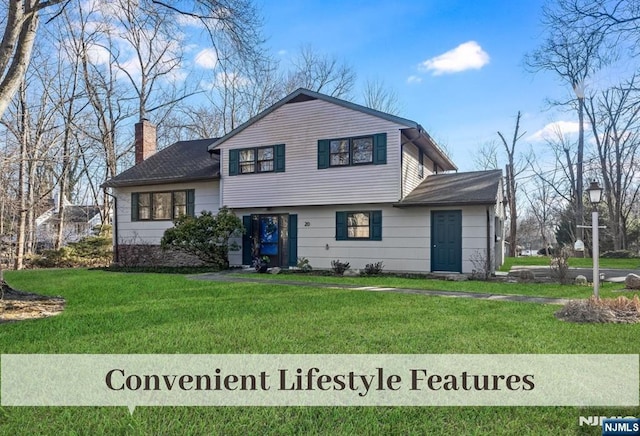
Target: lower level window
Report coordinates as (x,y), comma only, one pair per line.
(358,225)
(161,206)
(363,225)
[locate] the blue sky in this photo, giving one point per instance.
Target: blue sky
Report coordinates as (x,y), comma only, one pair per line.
(483,84)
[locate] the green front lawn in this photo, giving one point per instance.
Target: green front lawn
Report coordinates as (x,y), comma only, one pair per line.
(578,262)
(152,313)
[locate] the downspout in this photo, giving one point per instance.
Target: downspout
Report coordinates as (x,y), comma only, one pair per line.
(116,246)
(489,260)
(402,144)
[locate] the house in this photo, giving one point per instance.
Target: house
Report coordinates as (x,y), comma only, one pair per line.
(321,178)
(79,222)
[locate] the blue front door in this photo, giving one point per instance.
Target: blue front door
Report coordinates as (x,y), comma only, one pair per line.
(446,241)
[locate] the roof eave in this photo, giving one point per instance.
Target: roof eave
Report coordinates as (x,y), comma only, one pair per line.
(400,204)
(431,148)
(161,181)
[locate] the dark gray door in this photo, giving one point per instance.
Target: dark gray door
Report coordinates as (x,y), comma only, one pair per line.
(446,240)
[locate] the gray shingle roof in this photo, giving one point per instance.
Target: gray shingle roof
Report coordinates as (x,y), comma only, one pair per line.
(76,214)
(470,188)
(183,161)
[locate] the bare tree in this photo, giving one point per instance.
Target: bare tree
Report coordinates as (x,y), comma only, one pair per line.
(573,53)
(377,95)
(510,183)
(486,157)
(321,73)
(542,207)
(614,116)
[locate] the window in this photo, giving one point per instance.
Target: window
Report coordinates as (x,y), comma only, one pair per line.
(362,150)
(265,159)
(359,150)
(162,206)
(351,151)
(268,159)
(247,161)
(358,225)
(363,225)
(339,154)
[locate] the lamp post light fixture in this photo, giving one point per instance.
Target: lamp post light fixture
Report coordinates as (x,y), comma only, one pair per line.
(595,196)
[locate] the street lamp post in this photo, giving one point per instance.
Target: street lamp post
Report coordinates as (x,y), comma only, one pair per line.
(595,195)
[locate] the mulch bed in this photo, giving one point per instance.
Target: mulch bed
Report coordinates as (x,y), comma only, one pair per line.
(17,305)
(604,310)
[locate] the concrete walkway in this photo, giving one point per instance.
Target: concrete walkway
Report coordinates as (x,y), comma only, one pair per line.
(225,277)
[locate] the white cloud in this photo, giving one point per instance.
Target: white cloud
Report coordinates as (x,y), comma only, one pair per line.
(98,54)
(467,56)
(207,58)
(554,130)
(282,52)
(414,79)
(190,21)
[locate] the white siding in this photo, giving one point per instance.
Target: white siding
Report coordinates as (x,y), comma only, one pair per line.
(207,197)
(411,168)
(299,126)
(405,244)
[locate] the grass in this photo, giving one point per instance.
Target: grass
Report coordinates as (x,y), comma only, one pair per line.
(552,290)
(110,312)
(578,262)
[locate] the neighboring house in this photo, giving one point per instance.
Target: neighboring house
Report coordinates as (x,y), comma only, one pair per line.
(321,178)
(79,222)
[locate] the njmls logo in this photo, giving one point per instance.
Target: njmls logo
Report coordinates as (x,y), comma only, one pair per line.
(598,420)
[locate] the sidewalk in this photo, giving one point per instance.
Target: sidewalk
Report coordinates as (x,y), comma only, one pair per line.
(225,277)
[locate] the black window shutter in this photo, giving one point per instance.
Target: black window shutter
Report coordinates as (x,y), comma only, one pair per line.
(279,158)
(134,206)
(420,163)
(375,226)
(380,149)
(341,226)
(323,154)
(233,162)
(293,239)
(191,202)
(247,246)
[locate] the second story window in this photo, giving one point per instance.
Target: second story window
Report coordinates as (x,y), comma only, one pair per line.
(253,160)
(247,161)
(352,151)
(359,150)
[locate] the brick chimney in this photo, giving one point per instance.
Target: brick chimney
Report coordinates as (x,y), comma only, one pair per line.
(145,136)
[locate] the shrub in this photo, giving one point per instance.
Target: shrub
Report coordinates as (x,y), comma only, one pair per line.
(481,265)
(373,269)
(338,267)
(560,265)
(88,251)
(303,264)
(205,236)
(619,254)
(616,310)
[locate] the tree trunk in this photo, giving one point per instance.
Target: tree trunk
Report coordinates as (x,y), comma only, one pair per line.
(22,173)
(20,33)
